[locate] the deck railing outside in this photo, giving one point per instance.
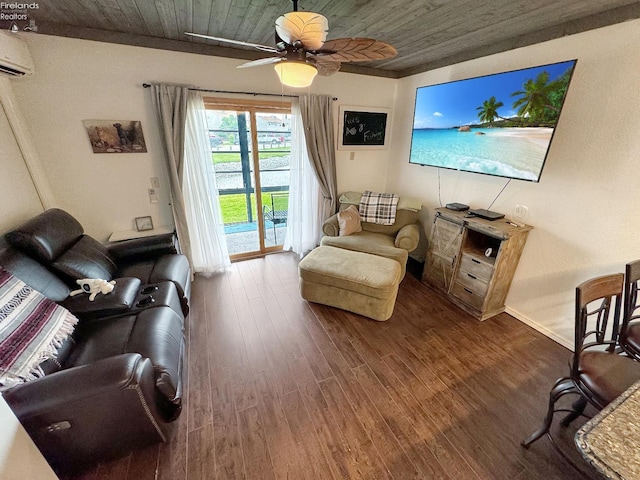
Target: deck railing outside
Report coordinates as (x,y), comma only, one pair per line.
(237,193)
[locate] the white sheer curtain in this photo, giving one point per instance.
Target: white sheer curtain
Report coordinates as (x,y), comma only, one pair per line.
(304,218)
(204,218)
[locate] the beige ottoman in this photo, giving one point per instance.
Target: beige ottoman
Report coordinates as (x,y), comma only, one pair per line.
(354,281)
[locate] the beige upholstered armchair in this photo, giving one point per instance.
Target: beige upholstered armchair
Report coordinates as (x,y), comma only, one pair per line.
(390,241)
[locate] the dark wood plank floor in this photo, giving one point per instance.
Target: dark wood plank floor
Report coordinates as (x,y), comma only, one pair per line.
(282,389)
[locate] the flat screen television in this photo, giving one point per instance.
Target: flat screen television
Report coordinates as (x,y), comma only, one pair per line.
(500,124)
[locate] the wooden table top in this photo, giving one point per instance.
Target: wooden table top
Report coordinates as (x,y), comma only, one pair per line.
(610,441)
(131,234)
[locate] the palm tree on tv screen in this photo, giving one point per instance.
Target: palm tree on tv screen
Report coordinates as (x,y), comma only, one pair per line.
(535,98)
(489,110)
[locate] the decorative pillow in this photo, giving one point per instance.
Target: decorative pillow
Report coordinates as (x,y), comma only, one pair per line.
(379,208)
(349,221)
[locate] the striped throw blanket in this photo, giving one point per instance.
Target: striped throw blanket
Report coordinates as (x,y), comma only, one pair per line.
(378,207)
(32,327)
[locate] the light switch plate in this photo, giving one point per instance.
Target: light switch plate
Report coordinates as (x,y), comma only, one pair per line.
(155,182)
(153,195)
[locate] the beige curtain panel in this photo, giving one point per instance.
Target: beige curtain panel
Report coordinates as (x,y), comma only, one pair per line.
(317,118)
(170,104)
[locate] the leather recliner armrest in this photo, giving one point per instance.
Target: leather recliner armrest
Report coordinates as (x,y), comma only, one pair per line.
(91,412)
(408,237)
(143,248)
(330,227)
(81,384)
(120,300)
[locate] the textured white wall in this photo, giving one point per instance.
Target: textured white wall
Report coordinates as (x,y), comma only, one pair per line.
(19,197)
(584,209)
(78,79)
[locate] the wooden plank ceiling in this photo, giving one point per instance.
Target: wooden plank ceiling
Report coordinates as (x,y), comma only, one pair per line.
(428,34)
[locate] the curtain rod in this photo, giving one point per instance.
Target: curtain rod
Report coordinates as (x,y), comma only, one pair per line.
(147,85)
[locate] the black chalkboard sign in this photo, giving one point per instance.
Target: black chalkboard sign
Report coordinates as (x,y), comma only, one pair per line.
(364,128)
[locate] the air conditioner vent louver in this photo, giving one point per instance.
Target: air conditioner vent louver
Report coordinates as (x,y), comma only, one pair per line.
(11,71)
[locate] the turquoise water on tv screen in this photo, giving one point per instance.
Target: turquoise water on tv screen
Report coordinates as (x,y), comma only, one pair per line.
(507,152)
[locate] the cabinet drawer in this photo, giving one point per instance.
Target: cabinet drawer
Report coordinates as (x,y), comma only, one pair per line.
(468,296)
(476,267)
(472,282)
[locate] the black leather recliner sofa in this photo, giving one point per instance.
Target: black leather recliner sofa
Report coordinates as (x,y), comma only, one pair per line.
(57,240)
(116,383)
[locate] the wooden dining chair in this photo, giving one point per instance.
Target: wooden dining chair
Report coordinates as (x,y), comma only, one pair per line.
(597,374)
(629,338)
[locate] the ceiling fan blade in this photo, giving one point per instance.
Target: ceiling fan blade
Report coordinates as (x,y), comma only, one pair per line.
(262,61)
(308,27)
(326,68)
(264,48)
(355,50)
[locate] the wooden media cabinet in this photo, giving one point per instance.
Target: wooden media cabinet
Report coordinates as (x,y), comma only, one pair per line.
(473,261)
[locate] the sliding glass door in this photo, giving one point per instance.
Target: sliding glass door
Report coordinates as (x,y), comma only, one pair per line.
(250,149)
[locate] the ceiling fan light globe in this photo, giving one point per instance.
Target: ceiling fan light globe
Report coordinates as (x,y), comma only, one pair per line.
(296,74)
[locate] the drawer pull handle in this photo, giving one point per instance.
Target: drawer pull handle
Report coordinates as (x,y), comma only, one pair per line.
(475,261)
(472,276)
(468,291)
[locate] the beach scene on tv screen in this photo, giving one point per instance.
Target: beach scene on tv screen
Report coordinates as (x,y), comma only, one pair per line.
(499,124)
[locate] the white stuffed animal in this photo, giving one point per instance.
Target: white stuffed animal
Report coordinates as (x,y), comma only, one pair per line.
(93,286)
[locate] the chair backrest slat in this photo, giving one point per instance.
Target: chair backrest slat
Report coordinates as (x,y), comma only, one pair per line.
(593,319)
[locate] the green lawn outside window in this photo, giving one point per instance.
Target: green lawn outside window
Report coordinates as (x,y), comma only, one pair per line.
(234,207)
(229,157)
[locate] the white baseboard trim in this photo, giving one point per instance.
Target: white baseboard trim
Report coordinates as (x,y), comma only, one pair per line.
(568,343)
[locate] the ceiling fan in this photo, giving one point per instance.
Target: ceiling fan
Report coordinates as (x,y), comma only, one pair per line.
(302,49)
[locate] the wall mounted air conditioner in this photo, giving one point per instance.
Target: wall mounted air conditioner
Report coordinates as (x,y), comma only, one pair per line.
(15,59)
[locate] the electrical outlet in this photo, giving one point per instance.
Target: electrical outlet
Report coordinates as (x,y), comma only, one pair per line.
(155,182)
(153,195)
(521,212)
(352,156)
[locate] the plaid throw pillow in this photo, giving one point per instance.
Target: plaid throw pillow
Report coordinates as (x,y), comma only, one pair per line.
(379,208)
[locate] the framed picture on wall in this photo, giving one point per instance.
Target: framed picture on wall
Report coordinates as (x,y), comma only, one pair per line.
(115,136)
(363,128)
(144,223)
